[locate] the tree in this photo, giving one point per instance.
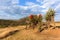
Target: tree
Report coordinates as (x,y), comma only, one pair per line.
(52,14)
(49,17)
(40,18)
(27,22)
(31,20)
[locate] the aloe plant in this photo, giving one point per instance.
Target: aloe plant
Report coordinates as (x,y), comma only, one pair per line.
(49,17)
(40,18)
(31,20)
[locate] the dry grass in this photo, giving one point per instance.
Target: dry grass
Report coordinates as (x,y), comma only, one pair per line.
(50,34)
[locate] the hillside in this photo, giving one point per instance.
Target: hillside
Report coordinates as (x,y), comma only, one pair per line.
(6,23)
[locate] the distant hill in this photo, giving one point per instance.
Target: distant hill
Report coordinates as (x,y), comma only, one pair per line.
(6,23)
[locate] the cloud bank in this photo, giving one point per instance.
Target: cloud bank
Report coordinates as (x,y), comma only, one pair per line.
(11,9)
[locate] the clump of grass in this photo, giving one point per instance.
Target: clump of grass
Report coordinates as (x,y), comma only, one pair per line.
(3,26)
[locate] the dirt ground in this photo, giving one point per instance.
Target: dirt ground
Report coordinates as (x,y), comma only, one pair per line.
(30,34)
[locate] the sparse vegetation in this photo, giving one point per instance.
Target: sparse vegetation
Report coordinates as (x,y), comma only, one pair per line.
(40,18)
(49,17)
(35,22)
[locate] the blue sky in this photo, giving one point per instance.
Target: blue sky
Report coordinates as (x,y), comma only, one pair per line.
(16,9)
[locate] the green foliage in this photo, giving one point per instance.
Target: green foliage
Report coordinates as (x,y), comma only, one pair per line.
(40,18)
(47,17)
(49,14)
(34,20)
(13,23)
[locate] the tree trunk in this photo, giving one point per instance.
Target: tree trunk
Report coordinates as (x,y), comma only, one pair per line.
(48,24)
(52,21)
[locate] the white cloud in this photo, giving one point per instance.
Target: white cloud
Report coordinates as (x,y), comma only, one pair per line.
(8,2)
(33,7)
(29,3)
(24,7)
(49,3)
(55,4)
(58,7)
(40,1)
(7,10)
(42,8)
(4,2)
(11,7)
(14,2)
